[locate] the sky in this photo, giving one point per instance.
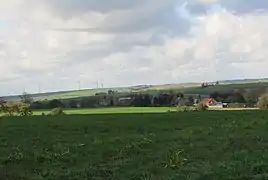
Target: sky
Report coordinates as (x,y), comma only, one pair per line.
(49,45)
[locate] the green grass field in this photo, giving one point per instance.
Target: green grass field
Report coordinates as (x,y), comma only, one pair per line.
(118,110)
(80,93)
(131,110)
(149,146)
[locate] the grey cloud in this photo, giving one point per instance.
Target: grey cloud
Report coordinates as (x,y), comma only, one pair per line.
(68,8)
(122,43)
(164,23)
(139,31)
(145,15)
(245,6)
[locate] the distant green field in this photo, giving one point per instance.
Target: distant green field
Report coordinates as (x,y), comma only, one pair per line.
(153,146)
(81,93)
(131,110)
(119,110)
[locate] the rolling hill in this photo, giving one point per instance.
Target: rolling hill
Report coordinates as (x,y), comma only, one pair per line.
(189,88)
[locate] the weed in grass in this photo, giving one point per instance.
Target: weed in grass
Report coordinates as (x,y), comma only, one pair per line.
(175,159)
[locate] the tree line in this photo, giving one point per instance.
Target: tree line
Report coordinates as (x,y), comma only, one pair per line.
(249,97)
(108,100)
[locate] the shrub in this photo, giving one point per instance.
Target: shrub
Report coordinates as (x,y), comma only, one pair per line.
(263,102)
(24,109)
(187,109)
(182,108)
(201,107)
(11,109)
(56,112)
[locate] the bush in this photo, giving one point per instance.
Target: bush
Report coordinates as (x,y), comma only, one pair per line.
(11,109)
(182,109)
(55,103)
(56,112)
(24,110)
(186,109)
(201,107)
(263,102)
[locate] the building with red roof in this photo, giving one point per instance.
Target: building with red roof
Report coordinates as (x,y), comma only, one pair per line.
(209,101)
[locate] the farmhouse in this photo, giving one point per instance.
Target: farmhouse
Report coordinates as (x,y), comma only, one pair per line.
(209,101)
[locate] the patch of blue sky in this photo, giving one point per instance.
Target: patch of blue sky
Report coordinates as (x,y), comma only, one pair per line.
(3,22)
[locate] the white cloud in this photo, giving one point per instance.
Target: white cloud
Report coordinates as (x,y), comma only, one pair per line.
(148,43)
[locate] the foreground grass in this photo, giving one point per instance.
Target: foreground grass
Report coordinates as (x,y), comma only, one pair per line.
(209,145)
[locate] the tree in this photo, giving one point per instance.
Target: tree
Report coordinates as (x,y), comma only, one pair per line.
(251,96)
(73,104)
(214,95)
(26,98)
(199,97)
(191,99)
(181,95)
(263,102)
(89,102)
(37,105)
(110,91)
(235,98)
(112,102)
(55,103)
